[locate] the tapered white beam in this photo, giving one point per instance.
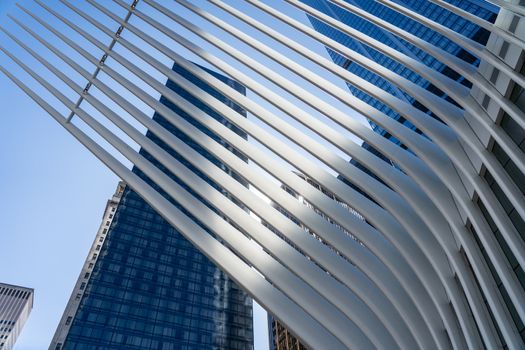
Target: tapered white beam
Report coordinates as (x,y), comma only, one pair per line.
(416,277)
(466,70)
(507,36)
(271,298)
(269,241)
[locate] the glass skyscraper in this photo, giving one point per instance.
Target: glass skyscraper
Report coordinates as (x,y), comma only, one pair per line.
(479,8)
(144,286)
(438,14)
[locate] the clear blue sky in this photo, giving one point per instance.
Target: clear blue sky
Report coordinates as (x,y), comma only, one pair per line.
(53,195)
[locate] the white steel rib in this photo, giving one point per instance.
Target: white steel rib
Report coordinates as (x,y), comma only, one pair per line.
(435,258)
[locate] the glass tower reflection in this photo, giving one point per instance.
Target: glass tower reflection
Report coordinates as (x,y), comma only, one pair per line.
(150,288)
(479,8)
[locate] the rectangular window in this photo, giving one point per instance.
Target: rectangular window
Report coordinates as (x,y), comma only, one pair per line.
(494,76)
(82,286)
(68,321)
(504,49)
(514,24)
(485,102)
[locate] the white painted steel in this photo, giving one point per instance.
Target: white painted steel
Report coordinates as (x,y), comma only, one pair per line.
(507,36)
(470,45)
(412,275)
(268,295)
(309,98)
(455,90)
(236,214)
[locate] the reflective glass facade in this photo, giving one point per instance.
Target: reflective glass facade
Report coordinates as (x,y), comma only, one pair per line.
(150,288)
(478,7)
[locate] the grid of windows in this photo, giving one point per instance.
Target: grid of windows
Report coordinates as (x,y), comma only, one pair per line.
(425,8)
(15,305)
(151,288)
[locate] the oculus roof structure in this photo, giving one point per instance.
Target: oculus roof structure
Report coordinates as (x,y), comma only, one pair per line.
(438,260)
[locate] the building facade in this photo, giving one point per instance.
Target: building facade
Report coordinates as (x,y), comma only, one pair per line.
(15,305)
(144,286)
(280,337)
(429,10)
(85,274)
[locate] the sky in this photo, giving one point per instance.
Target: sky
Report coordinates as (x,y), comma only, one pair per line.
(54,193)
(53,196)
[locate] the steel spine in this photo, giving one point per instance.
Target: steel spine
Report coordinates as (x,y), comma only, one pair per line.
(411,274)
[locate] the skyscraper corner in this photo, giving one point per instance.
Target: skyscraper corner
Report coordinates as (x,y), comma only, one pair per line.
(16,304)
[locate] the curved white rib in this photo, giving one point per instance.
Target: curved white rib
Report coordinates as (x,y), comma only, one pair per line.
(509,37)
(416,277)
(228,183)
(352,255)
(512,192)
(463,164)
(470,45)
(270,297)
(281,103)
(518,9)
(460,66)
(517,299)
(446,111)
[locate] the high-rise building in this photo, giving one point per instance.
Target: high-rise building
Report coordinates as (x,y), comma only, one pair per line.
(143,285)
(280,337)
(15,305)
(479,8)
(437,262)
(429,10)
